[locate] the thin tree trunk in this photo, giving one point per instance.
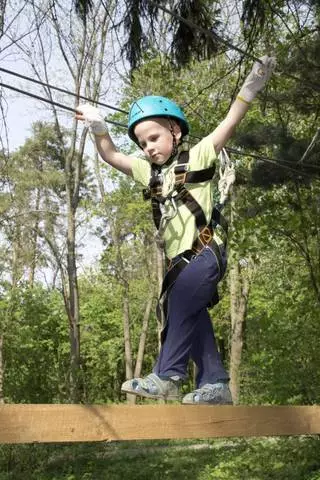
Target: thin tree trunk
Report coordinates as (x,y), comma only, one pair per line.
(143,335)
(239,289)
(3,4)
(160,274)
(74,332)
(1,368)
(142,342)
(126,334)
(34,242)
(312,263)
(127,343)
(17,268)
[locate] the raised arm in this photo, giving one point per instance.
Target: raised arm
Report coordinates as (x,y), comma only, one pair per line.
(254,82)
(105,146)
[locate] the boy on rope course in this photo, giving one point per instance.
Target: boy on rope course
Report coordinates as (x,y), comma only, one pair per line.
(179,184)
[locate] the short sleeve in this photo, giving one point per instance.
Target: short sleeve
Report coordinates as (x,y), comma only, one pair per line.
(203,154)
(141,171)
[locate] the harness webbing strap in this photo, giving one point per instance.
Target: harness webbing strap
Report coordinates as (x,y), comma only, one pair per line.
(174,270)
(156,212)
(218,219)
(181,177)
(191,203)
(197,176)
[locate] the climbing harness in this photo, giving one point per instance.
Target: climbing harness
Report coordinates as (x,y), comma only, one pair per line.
(165,207)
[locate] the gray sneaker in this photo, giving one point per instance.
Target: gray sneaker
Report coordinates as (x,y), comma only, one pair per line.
(152,387)
(209,394)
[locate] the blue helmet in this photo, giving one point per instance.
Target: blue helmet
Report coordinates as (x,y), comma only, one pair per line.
(155,106)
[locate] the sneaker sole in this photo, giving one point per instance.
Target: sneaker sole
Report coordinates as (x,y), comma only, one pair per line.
(149,395)
(206,403)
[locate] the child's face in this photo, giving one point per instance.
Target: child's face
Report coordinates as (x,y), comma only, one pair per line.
(155,138)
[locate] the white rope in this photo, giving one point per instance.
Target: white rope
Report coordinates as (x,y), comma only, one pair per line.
(227,176)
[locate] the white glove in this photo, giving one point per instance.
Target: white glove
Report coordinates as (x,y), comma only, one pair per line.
(257,78)
(93,119)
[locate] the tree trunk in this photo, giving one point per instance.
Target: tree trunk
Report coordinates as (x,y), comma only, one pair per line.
(3,4)
(126,334)
(17,264)
(74,314)
(160,275)
(312,261)
(1,368)
(142,342)
(34,241)
(239,289)
(143,335)
(127,342)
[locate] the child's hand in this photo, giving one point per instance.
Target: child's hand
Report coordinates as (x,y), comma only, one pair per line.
(93,119)
(257,78)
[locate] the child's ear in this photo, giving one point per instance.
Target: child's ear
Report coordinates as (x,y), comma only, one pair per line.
(177,131)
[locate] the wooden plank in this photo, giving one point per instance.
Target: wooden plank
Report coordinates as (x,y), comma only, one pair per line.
(23,423)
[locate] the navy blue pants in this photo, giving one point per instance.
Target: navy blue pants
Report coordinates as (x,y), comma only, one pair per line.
(189,331)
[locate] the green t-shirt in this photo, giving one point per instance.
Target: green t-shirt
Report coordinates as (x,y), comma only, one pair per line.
(180,230)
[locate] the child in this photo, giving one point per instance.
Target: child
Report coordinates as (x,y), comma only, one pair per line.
(180,186)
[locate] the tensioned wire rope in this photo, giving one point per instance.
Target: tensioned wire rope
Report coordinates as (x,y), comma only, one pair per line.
(63,90)
(122,125)
(56,104)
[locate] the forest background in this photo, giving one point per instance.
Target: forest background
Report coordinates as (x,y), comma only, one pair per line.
(71,334)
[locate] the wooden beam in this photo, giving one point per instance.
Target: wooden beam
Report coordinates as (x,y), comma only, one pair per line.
(26,423)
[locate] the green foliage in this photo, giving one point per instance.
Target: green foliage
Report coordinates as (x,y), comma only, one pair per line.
(101,334)
(280,360)
(32,188)
(265,459)
(261,459)
(281,236)
(35,345)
